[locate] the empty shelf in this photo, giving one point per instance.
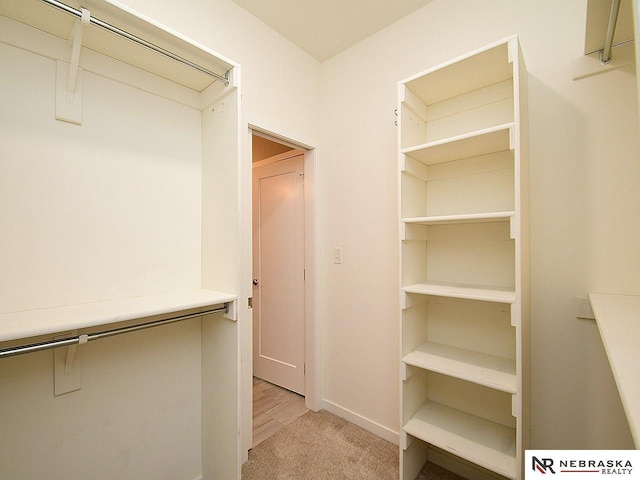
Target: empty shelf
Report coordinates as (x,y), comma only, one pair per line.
(488,444)
(488,217)
(481,142)
(488,370)
(471,292)
(46,321)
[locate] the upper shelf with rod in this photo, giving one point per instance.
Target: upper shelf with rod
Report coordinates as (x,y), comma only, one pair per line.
(118,32)
(16,327)
(609,38)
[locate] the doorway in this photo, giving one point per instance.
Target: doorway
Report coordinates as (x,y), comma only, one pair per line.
(285,166)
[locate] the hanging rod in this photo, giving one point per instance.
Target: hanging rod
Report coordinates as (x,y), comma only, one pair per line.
(81,339)
(605,53)
(140,41)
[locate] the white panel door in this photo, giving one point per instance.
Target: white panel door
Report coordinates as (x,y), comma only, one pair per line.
(278,267)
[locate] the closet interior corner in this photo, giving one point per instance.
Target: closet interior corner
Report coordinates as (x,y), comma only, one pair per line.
(119,202)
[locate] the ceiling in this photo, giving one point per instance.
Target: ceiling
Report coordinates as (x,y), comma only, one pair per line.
(324,28)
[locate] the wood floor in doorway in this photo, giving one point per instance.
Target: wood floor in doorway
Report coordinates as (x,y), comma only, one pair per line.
(273,408)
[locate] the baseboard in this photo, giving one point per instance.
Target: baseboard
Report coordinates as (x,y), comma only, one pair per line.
(369,425)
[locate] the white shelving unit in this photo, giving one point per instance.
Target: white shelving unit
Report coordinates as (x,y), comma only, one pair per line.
(463,240)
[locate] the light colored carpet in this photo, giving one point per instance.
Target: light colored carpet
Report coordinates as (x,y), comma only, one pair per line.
(322,446)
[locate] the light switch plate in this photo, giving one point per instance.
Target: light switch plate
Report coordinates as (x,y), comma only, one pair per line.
(337,255)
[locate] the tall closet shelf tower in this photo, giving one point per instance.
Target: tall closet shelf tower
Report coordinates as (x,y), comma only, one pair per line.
(121,170)
(464,319)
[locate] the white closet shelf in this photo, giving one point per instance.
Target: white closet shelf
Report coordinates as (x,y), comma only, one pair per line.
(48,19)
(471,292)
(618,320)
(47,321)
(489,370)
(472,144)
(488,217)
(485,443)
(476,70)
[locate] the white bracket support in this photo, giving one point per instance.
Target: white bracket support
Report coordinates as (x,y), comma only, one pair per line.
(512,138)
(512,49)
(583,309)
(405,440)
(69,76)
(515,406)
(71,355)
(589,65)
(231,314)
(405,372)
(67,366)
(513,228)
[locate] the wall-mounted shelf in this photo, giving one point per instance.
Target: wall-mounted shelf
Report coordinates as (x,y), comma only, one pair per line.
(49,321)
(461,219)
(58,23)
(488,370)
(618,320)
(473,144)
(471,292)
(480,441)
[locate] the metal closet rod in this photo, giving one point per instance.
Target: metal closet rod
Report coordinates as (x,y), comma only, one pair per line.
(605,53)
(140,41)
(81,339)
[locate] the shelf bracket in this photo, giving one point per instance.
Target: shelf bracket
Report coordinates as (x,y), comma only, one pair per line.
(67,366)
(69,76)
(405,440)
(515,406)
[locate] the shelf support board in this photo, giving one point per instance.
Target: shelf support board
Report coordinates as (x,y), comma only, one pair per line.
(69,76)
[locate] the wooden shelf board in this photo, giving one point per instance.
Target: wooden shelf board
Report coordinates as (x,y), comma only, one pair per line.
(488,217)
(488,444)
(491,371)
(472,71)
(46,321)
(471,292)
(473,144)
(618,320)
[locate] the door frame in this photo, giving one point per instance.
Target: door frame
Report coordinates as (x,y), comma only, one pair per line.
(312,330)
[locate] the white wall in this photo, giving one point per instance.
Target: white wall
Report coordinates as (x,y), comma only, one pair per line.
(76,198)
(585,173)
(280,83)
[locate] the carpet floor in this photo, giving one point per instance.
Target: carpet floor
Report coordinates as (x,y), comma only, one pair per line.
(322,446)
